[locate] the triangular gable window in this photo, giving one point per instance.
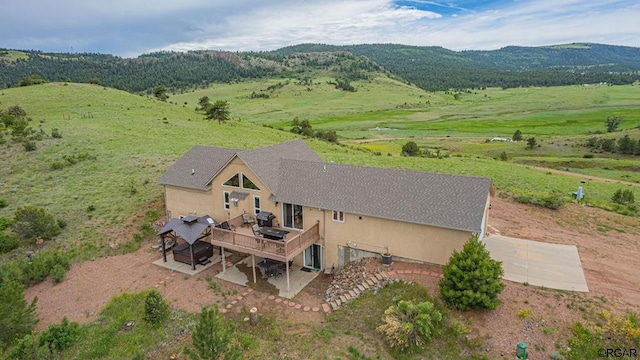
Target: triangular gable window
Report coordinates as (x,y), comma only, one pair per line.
(248,184)
(234,181)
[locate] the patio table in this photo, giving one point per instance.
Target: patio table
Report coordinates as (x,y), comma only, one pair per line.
(273,233)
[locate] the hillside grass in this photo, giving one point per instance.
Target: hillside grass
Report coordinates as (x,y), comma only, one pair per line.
(384,107)
(131,140)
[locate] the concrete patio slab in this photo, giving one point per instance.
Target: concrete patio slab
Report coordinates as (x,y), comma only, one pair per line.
(554,266)
(185,268)
(298,279)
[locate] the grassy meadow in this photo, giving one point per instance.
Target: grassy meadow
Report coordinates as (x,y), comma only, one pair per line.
(127,141)
(120,143)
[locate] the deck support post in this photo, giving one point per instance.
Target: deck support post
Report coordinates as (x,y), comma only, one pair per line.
(164,250)
(224,262)
(287,266)
(253,266)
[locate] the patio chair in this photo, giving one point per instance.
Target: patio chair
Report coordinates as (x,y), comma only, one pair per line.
(247,219)
(256,230)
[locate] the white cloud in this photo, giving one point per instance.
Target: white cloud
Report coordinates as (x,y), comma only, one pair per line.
(131,27)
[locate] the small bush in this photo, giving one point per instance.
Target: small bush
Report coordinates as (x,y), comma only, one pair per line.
(29,145)
(588,156)
(156,310)
(58,272)
(31,222)
(8,243)
(503,156)
(60,337)
(3,203)
(57,165)
(56,134)
(407,325)
(524,313)
(623,197)
(61,223)
(550,201)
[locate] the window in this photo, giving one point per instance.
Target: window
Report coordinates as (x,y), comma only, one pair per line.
(248,184)
(256,204)
(234,181)
(292,216)
(225,198)
(338,216)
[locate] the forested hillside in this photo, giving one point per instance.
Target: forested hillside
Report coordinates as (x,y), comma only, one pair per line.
(431,68)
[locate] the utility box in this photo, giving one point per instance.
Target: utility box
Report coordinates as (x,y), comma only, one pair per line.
(521,350)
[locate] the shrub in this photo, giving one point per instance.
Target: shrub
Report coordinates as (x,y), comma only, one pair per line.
(57,165)
(156,310)
(623,197)
(213,338)
(410,149)
(407,325)
(60,336)
(8,243)
(56,134)
(29,145)
(588,156)
(28,348)
(550,201)
(31,222)
(58,272)
(17,318)
(3,203)
(472,279)
(503,156)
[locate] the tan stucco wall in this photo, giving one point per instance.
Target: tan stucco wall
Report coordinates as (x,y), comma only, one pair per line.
(183,201)
(407,240)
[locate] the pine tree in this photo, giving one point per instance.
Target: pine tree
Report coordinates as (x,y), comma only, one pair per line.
(213,338)
(472,279)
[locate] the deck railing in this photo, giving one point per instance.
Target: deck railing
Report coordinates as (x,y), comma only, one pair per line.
(294,244)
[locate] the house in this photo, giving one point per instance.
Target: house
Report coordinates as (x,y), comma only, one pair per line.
(332,213)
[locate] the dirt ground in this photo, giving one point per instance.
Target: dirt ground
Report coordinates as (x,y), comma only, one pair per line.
(608,244)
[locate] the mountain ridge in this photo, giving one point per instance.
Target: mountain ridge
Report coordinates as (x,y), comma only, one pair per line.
(429,67)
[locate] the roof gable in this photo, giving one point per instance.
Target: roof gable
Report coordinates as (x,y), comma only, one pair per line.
(197,167)
(201,164)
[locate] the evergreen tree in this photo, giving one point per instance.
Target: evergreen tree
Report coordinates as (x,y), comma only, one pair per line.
(472,279)
(517,136)
(213,338)
(531,143)
(156,309)
(218,111)
(17,318)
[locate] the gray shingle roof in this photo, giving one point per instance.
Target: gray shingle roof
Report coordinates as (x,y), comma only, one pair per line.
(265,162)
(200,164)
(295,174)
(449,201)
(197,167)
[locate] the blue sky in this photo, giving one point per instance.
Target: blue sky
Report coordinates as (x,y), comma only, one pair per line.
(131,27)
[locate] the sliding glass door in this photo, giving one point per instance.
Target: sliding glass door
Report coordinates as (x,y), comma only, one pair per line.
(292,216)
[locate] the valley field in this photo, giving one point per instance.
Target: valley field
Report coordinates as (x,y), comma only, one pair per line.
(119,144)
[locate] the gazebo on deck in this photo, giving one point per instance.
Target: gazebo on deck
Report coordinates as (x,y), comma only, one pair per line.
(192,229)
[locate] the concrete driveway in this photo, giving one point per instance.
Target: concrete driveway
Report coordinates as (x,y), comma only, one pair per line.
(553,266)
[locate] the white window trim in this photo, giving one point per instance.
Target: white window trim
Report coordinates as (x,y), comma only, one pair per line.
(226,195)
(340,216)
(256,210)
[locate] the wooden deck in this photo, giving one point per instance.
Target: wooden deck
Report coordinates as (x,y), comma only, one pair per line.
(241,239)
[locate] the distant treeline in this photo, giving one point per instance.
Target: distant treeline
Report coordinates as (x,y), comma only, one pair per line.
(431,68)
